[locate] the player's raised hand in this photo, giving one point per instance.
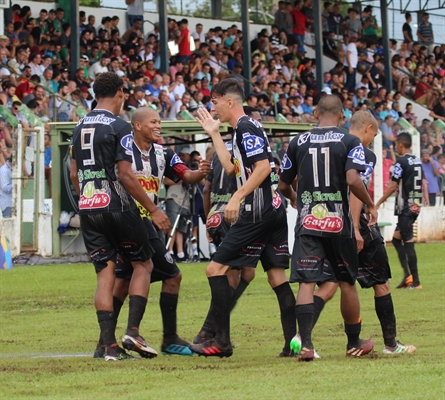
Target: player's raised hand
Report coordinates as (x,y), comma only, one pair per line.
(161,220)
(210,125)
(371,214)
(204,167)
(231,213)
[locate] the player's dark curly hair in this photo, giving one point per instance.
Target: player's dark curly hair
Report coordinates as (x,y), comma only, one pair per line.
(107,85)
(229,86)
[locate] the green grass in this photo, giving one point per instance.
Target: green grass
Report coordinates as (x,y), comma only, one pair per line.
(48,310)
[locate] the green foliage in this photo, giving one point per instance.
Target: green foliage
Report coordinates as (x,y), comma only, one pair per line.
(90,3)
(48,311)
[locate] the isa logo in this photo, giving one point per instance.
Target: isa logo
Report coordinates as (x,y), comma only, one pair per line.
(127,144)
(253,145)
(286,163)
(398,171)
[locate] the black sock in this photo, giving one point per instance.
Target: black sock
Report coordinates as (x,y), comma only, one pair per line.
(117,305)
(412,262)
(221,297)
(238,292)
(169,303)
(107,324)
(305,318)
(137,308)
(353,333)
(318,308)
(209,324)
(397,243)
(286,301)
(384,309)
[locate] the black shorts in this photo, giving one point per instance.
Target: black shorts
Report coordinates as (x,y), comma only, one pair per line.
(107,234)
(373,267)
(405,224)
(172,210)
(248,242)
(164,266)
(309,260)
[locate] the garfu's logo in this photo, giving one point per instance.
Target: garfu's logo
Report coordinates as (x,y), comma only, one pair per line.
(214,221)
(97,200)
(321,220)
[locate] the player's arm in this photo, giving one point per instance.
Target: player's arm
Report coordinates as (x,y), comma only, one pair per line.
(130,182)
(73,175)
(260,172)
(206,196)
(211,126)
(392,187)
(288,192)
(359,190)
(197,176)
(356,208)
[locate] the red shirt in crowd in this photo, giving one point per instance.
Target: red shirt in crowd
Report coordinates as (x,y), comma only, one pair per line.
(421,89)
(299,22)
(184,46)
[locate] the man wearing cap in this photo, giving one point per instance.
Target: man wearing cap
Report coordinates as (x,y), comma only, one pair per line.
(135,100)
(99,67)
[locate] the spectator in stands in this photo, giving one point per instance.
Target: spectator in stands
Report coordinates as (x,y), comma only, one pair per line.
(135,11)
(184,42)
(299,26)
(387,131)
(325,16)
(353,24)
(425,32)
(336,20)
(438,111)
(6,188)
(431,171)
(350,63)
(100,66)
(406,29)
(198,35)
(388,162)
(283,19)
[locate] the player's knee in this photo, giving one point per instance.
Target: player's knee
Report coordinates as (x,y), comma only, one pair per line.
(172,285)
(248,274)
(381,290)
(276,277)
(327,291)
(215,269)
(120,289)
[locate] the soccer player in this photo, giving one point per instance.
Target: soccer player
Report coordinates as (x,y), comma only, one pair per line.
(326,161)
(259,223)
(102,175)
(374,270)
(217,192)
(151,162)
(407,182)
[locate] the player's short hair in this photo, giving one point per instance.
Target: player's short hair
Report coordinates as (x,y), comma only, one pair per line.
(329,105)
(250,110)
(360,119)
(140,113)
(229,86)
(107,84)
(405,139)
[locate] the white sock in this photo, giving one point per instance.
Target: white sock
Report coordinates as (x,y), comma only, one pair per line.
(181,255)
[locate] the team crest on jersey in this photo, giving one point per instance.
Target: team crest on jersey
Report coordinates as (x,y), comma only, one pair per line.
(127,144)
(175,160)
(286,163)
(322,220)
(252,144)
(357,154)
(237,167)
(398,171)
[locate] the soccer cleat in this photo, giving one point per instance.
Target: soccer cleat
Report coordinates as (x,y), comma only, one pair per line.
(203,336)
(405,282)
(412,286)
(211,348)
(399,349)
(287,354)
(137,344)
(176,346)
(100,351)
(117,354)
(306,354)
(297,337)
(365,347)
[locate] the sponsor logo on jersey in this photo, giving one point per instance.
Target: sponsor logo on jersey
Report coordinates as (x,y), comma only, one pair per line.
(253,145)
(302,139)
(237,166)
(306,197)
(398,171)
(326,137)
(322,220)
(415,208)
(88,174)
(97,200)
(319,196)
(150,185)
(286,163)
(276,200)
(357,154)
(213,221)
(97,119)
(175,160)
(127,144)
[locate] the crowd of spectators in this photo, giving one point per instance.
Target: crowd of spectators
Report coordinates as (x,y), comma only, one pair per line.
(37,65)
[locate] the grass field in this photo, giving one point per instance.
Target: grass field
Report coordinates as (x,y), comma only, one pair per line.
(49,331)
